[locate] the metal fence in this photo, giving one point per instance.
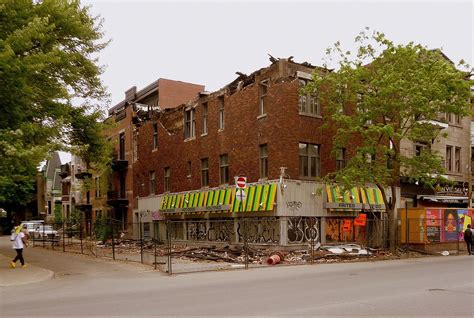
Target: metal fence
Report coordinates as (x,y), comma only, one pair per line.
(181,246)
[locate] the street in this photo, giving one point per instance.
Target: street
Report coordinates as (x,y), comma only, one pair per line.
(434,286)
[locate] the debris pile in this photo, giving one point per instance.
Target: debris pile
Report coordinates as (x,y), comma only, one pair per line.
(270,255)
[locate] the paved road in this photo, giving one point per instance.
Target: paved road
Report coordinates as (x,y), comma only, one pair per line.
(438,286)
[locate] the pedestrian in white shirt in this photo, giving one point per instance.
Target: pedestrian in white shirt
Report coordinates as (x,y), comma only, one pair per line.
(19,241)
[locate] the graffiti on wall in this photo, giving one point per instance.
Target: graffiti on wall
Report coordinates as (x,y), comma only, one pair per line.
(294,205)
(303,229)
(261,230)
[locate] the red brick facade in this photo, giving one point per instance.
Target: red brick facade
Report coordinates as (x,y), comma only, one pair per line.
(282,129)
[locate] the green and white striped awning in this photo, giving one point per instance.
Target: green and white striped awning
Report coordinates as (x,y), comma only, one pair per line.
(259,197)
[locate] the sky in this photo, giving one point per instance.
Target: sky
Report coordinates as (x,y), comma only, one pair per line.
(207,42)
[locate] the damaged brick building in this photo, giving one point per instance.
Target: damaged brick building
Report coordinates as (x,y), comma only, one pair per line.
(258,126)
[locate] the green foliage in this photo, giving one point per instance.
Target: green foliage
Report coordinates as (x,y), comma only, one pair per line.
(75,217)
(379,97)
(102,229)
(58,213)
(48,59)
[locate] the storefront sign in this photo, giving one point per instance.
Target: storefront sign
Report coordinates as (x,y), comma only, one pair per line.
(341,205)
(211,208)
(374,206)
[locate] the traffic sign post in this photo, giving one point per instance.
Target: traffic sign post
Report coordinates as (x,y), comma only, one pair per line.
(240,185)
(241,182)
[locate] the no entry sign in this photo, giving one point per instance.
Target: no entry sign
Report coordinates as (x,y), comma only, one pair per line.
(240,182)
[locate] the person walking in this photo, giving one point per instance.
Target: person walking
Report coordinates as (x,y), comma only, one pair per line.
(19,240)
(468,239)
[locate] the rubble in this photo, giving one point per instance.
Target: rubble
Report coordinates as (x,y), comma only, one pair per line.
(259,255)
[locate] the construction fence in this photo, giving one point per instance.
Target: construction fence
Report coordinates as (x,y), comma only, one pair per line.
(182,246)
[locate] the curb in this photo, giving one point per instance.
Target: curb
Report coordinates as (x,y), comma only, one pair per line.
(21,276)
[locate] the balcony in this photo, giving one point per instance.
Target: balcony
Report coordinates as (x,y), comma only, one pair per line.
(83,207)
(83,174)
(115,199)
(119,165)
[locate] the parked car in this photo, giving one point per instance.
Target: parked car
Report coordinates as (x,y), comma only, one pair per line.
(31,227)
(46,232)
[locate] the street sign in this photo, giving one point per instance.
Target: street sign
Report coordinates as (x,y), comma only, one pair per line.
(240,195)
(241,182)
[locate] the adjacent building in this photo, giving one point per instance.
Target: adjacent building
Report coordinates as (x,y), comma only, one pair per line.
(160,95)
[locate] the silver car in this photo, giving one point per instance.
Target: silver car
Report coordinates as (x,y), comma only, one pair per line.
(46,232)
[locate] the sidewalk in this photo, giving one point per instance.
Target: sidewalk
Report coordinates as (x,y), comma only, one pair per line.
(19,275)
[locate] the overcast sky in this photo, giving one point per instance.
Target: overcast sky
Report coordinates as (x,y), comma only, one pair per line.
(207,42)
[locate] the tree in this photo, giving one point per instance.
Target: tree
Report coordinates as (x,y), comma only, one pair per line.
(380,96)
(48,63)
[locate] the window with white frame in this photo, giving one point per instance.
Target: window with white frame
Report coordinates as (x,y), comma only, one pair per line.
(340,158)
(190,170)
(204,118)
(308,102)
(220,101)
(205,172)
(224,169)
(263,90)
(263,150)
(310,161)
(420,148)
(167,179)
(97,187)
(152,182)
(361,109)
(449,158)
(155,136)
(457,160)
(189,124)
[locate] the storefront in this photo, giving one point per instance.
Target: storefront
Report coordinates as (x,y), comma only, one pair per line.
(355,215)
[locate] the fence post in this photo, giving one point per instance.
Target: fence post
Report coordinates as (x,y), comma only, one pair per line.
(246,244)
(312,244)
(168,236)
(64,236)
(80,237)
(43,236)
(52,238)
(154,241)
(141,237)
(408,237)
(113,241)
(457,237)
